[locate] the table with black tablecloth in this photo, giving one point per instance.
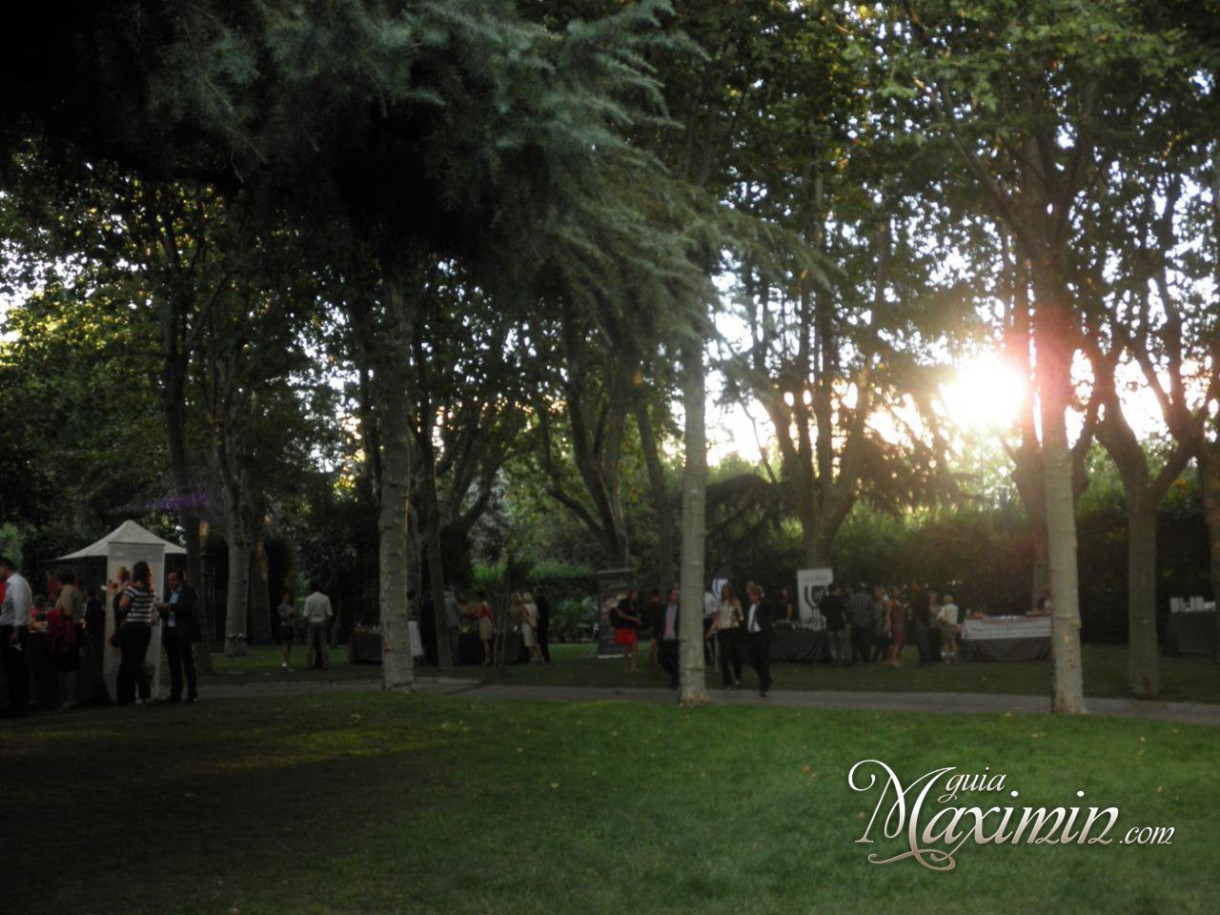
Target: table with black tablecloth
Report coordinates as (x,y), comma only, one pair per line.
(1191,632)
(1007,638)
(44,678)
(365,647)
(470,648)
(807,645)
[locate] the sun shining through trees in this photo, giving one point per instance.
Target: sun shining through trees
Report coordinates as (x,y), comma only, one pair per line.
(985,395)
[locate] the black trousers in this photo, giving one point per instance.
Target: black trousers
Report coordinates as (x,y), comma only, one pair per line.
(15,669)
(921,643)
(729,647)
(133,643)
(861,643)
(760,659)
(181,659)
(667,654)
(544,638)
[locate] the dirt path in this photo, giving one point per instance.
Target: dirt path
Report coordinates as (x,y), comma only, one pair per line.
(937,703)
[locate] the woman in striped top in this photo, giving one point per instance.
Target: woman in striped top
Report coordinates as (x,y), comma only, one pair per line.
(135,635)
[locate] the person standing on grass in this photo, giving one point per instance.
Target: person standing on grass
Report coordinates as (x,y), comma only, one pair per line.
(759,634)
(529,631)
(948,623)
(136,606)
(885,626)
(627,624)
(287,617)
(63,628)
(544,623)
(834,610)
(95,622)
(453,626)
(652,622)
(179,635)
(921,620)
(787,606)
(863,622)
(14,624)
(898,629)
(667,635)
(726,629)
(482,613)
(318,614)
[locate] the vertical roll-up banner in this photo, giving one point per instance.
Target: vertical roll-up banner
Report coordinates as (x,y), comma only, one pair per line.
(811,585)
(612,586)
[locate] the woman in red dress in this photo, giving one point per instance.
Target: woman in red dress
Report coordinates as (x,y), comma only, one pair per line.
(627,622)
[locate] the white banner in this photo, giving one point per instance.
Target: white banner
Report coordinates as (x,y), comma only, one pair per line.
(1008,627)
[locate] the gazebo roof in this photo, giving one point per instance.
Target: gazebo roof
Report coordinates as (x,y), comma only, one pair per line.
(127,532)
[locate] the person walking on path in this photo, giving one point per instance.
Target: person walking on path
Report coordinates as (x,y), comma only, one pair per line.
(759,633)
(726,629)
(318,614)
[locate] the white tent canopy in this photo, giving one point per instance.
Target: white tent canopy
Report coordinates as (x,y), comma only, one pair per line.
(126,533)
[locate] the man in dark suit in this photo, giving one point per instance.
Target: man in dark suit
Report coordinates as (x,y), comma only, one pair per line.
(667,636)
(759,633)
(179,631)
(544,623)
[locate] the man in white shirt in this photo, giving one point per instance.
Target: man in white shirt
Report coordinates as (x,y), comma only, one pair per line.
(14,624)
(318,614)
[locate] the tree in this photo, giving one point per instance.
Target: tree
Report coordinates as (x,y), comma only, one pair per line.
(1023,98)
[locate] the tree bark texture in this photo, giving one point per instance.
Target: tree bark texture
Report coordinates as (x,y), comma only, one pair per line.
(392,379)
(692,688)
(1054,359)
(1209,474)
(436,566)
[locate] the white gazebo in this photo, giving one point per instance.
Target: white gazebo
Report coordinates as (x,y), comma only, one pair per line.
(123,547)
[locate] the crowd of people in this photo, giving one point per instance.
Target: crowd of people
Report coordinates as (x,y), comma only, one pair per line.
(75,630)
(863,625)
(873,625)
(733,632)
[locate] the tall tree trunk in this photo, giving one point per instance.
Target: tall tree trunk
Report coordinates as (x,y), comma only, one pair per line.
(692,688)
(819,545)
(436,565)
(173,381)
(1143,658)
(660,497)
(393,412)
(238,590)
(1052,326)
(1209,475)
(259,624)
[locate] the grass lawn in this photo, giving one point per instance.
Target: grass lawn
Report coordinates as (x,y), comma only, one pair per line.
(1184,679)
(368,802)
